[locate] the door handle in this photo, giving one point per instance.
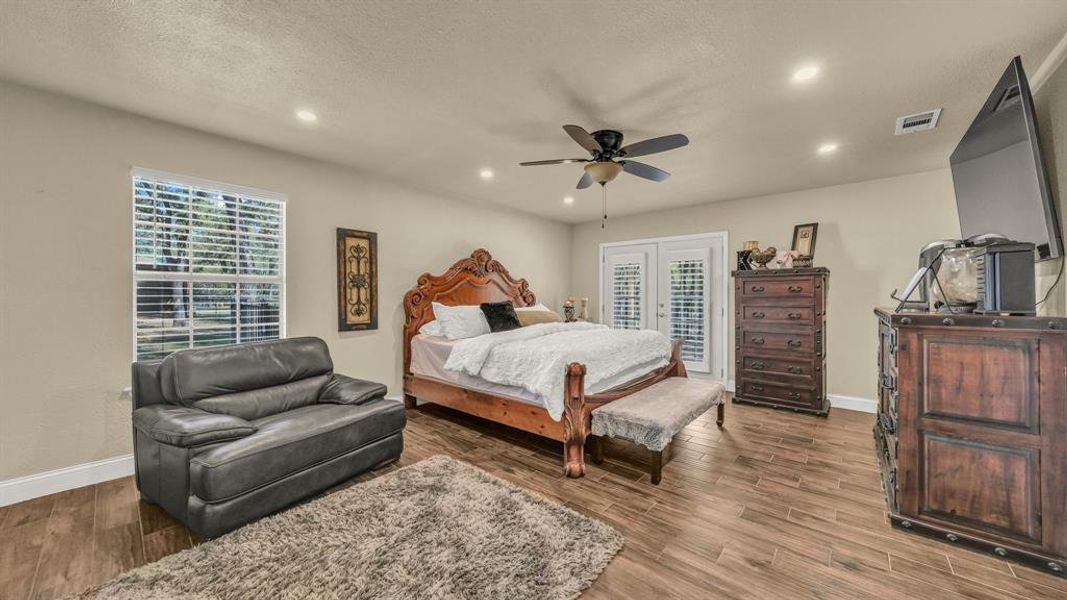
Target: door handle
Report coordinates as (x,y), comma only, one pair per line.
(758,315)
(796,370)
(794,395)
(795,316)
(757,288)
(794,343)
(758,341)
(756,388)
(759,365)
(796,289)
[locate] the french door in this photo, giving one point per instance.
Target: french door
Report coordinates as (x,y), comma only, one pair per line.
(671,285)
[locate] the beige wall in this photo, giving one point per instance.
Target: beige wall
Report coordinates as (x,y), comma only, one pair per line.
(869,237)
(65,262)
(1051,103)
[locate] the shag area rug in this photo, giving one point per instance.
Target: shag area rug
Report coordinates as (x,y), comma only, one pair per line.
(437,529)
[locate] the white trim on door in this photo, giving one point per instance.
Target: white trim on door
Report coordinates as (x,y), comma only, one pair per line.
(724,284)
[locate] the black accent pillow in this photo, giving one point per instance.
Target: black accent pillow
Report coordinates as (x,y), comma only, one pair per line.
(501,316)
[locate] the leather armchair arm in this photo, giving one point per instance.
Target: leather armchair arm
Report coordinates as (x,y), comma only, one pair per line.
(187,427)
(341,389)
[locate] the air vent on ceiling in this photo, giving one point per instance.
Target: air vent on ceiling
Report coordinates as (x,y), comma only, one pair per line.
(918,122)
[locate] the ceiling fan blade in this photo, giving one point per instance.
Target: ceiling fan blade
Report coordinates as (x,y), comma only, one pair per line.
(646,171)
(585,181)
(654,145)
(558,161)
(583,138)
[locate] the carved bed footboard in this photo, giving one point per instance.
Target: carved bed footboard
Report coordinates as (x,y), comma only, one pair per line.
(578,407)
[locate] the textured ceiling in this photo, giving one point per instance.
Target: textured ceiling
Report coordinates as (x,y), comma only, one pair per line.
(431,92)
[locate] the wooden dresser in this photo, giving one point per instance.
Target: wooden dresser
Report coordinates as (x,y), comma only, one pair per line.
(780,342)
(972,431)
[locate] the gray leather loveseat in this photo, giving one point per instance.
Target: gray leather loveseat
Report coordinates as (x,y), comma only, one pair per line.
(224,436)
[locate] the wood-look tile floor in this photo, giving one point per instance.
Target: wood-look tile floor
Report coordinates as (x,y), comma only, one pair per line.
(775,505)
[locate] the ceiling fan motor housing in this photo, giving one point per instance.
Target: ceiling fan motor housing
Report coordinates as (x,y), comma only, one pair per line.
(610,140)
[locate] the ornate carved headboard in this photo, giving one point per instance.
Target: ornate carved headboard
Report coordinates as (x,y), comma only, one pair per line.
(474,280)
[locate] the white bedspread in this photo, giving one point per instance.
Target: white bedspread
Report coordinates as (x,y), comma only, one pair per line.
(535,357)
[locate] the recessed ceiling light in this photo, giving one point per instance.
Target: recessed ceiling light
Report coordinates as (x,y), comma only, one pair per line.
(827,149)
(805,73)
(486,174)
(568,200)
(307,116)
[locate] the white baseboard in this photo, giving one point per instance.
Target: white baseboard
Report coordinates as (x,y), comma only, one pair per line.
(853,403)
(67,478)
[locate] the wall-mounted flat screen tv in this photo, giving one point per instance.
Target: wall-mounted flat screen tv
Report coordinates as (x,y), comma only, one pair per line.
(998,172)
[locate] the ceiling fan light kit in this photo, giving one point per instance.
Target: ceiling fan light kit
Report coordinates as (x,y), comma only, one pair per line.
(604,147)
(603,172)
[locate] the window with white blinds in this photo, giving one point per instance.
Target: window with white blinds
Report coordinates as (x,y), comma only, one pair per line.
(209,265)
(627,290)
(688,307)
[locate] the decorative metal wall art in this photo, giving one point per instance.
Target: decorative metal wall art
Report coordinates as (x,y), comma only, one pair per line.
(357,280)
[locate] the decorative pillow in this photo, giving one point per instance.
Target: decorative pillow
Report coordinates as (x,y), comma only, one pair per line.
(533,317)
(431,328)
(501,316)
(461,322)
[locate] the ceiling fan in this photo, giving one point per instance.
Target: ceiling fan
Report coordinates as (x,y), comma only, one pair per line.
(608,157)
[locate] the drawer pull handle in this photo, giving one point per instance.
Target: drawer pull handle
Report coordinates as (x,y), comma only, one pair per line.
(796,370)
(795,289)
(757,288)
(794,395)
(795,316)
(759,365)
(756,388)
(758,341)
(758,315)
(794,343)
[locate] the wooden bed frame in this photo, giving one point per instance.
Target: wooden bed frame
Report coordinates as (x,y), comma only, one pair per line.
(479,279)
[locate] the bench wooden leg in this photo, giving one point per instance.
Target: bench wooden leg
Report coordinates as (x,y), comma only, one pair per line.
(409,401)
(657,466)
(722,414)
(597,448)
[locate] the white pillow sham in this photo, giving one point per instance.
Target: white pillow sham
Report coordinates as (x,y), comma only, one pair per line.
(534,307)
(431,328)
(460,322)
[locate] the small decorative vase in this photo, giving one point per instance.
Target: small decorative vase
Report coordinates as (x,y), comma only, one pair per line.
(744,260)
(584,316)
(568,313)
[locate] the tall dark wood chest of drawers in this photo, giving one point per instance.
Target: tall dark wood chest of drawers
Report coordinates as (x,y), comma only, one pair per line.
(780,341)
(971,431)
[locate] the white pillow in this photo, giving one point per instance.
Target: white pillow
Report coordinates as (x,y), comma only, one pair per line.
(534,307)
(431,328)
(461,322)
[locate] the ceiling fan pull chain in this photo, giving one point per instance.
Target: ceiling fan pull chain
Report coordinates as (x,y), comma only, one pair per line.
(604,204)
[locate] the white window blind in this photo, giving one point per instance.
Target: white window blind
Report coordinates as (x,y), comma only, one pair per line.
(688,307)
(626,296)
(208,265)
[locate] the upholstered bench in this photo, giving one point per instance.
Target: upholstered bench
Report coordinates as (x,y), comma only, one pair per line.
(652,416)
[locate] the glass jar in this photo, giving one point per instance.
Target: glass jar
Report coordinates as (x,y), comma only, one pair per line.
(958,278)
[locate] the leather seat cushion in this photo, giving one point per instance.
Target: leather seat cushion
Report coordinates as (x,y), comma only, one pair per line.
(188,376)
(290,442)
